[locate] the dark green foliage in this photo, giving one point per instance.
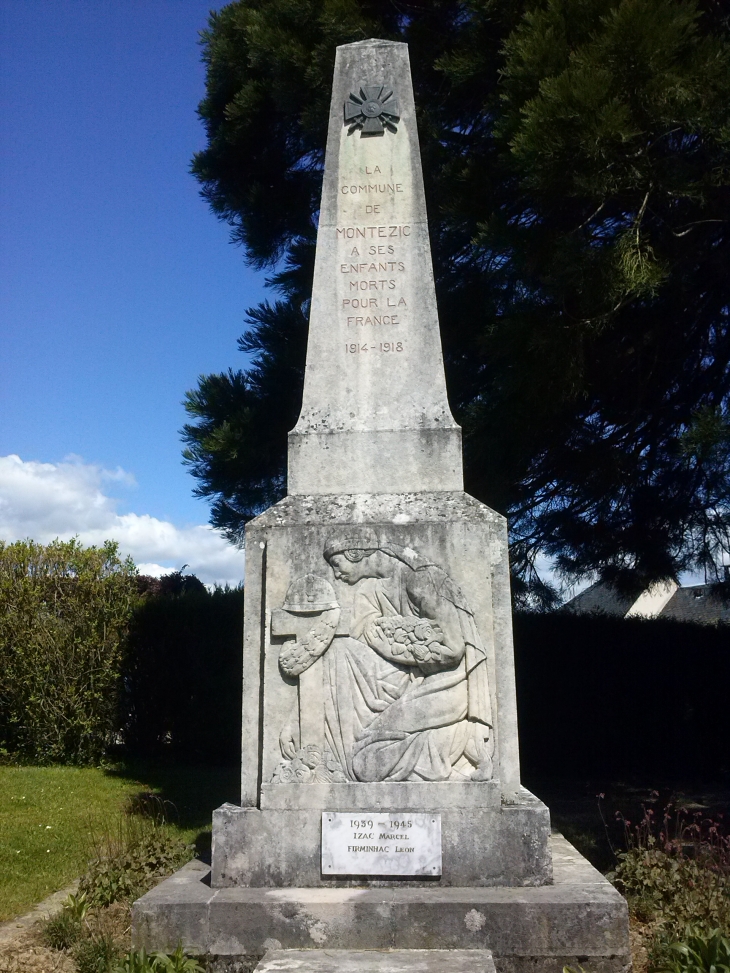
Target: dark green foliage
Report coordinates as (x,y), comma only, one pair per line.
(138,961)
(675,873)
(133,871)
(63,616)
(182,676)
(681,890)
(89,649)
(244,418)
(576,163)
(649,697)
(616,117)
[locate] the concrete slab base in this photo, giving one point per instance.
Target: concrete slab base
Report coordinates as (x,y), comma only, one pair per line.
(579,919)
(377,961)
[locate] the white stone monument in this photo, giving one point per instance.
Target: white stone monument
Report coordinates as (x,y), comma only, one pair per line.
(381,804)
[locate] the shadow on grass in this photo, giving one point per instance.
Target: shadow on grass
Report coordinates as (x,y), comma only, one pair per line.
(190,793)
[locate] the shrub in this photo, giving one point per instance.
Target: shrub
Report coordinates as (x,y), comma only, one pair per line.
(138,961)
(677,868)
(650,696)
(677,890)
(96,954)
(675,874)
(64,611)
(77,906)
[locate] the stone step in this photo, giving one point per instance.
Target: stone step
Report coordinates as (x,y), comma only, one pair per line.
(377,961)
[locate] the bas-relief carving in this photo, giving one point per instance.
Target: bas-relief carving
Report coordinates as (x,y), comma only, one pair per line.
(401,677)
(373,109)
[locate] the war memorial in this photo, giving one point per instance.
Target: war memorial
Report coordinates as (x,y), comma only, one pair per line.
(382,823)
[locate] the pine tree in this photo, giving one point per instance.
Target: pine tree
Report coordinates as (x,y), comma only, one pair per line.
(577,168)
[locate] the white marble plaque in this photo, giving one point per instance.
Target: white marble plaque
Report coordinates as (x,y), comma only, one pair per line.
(381,843)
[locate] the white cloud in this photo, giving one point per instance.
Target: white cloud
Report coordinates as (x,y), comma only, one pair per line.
(48,500)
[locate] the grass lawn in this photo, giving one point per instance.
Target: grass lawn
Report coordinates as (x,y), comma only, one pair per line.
(48,813)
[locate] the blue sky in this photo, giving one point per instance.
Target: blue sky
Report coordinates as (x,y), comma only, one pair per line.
(119,286)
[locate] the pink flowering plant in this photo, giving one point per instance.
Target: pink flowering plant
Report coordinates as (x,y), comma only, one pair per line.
(675,873)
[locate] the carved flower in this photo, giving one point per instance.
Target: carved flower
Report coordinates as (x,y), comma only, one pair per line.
(283,774)
(310,755)
(301,773)
(329,772)
(373,109)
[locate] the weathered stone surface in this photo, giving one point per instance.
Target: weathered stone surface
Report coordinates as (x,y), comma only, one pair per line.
(375,416)
(177,910)
(429,507)
(579,919)
(404,794)
(380,961)
(489,846)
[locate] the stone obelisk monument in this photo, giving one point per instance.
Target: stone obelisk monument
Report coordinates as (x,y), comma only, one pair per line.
(381,805)
(375,417)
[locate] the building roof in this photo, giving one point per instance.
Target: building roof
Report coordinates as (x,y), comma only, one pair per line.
(602,598)
(696,603)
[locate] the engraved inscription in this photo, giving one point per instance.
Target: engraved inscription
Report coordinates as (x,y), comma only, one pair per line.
(381,844)
(371,232)
(366,303)
(384,346)
(373,285)
(366,267)
(372,187)
(374,255)
(374,274)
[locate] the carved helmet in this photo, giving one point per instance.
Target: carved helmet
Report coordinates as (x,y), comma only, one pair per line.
(310,593)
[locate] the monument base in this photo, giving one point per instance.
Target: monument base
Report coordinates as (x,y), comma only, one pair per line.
(482,846)
(579,919)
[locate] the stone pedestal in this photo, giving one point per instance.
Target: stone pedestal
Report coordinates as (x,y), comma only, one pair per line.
(481,846)
(494,832)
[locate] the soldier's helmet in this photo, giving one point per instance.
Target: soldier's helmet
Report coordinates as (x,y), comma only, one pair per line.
(310,593)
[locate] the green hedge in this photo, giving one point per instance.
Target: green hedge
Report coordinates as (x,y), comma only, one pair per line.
(64,611)
(612,696)
(596,695)
(181,694)
(91,654)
